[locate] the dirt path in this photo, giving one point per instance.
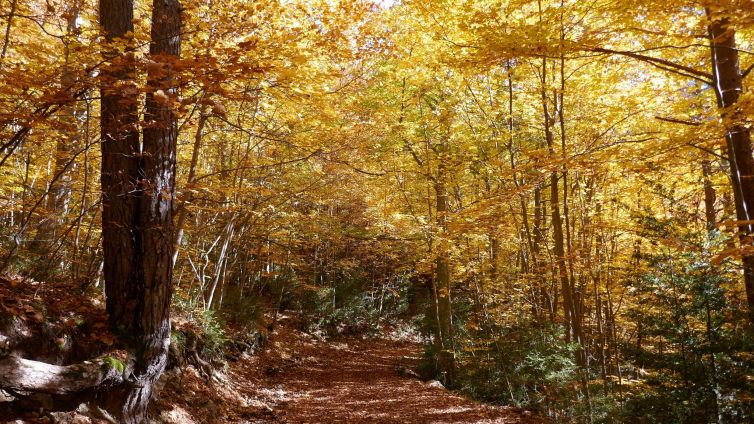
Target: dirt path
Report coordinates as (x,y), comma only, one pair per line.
(354,381)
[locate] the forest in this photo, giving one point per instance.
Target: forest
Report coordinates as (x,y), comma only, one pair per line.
(414,211)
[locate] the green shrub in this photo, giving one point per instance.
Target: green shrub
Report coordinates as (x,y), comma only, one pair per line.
(526,365)
(697,346)
(246,312)
(351,306)
(214,336)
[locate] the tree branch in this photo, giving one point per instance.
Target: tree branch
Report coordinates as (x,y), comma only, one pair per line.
(678,121)
(661,63)
(747,71)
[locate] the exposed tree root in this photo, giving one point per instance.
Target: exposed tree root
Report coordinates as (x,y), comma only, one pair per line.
(24,375)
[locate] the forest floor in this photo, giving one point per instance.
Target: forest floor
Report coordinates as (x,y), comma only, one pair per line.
(299,378)
(295,378)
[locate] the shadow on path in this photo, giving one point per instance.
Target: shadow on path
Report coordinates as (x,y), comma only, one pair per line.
(355,381)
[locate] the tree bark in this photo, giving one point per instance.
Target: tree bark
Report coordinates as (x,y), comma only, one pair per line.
(728,83)
(138,190)
(18,374)
(442,281)
(8,25)
(119,169)
(710,196)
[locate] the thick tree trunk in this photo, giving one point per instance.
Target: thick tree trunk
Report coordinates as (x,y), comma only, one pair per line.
(728,83)
(119,174)
(157,185)
(138,189)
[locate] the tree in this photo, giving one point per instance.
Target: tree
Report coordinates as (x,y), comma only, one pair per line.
(138,185)
(728,84)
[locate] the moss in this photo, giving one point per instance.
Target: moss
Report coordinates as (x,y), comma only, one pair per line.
(114,363)
(178,339)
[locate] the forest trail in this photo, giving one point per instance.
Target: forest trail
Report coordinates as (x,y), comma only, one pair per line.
(300,379)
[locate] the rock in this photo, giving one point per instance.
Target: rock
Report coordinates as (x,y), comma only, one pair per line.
(434,384)
(406,372)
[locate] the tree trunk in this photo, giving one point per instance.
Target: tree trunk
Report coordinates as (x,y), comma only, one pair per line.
(728,86)
(442,281)
(8,25)
(138,189)
(710,196)
(119,173)
(577,293)
(557,222)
